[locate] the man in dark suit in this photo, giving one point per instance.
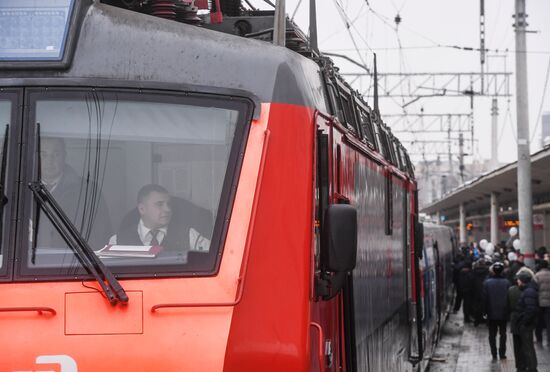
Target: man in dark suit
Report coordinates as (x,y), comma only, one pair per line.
(80,199)
(495,303)
(156,225)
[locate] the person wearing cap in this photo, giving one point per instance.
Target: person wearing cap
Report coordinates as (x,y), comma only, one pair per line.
(523,322)
(515,266)
(542,278)
(495,302)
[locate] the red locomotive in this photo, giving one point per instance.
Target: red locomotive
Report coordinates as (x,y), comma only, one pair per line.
(181,199)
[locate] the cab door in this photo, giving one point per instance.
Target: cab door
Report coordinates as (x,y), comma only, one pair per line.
(326,311)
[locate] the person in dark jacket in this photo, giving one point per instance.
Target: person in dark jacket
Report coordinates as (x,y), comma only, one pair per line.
(523,323)
(80,198)
(157,227)
(480,273)
(514,292)
(515,266)
(457,266)
(495,301)
(543,281)
(465,287)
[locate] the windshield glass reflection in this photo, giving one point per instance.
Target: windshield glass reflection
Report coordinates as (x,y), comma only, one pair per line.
(141,180)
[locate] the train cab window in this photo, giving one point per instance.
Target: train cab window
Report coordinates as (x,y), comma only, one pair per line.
(145,178)
(378,136)
(5,111)
(397,156)
(333,101)
(349,114)
(410,167)
(366,126)
(391,151)
(402,158)
(388,153)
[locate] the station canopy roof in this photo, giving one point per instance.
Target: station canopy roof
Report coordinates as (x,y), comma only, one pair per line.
(476,193)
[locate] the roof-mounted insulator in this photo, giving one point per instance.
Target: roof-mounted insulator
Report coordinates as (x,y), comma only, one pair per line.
(164,8)
(397,19)
(216,12)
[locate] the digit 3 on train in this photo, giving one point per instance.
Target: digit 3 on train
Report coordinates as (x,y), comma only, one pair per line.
(178,198)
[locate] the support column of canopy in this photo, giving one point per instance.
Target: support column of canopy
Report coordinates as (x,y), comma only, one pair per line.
(494,218)
(462,234)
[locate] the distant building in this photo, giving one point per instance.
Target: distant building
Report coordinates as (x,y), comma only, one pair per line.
(545,138)
(436,178)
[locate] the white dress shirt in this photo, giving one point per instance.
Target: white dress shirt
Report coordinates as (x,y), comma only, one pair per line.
(144,234)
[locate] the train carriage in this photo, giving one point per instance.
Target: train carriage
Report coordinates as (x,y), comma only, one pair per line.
(289,206)
(436,275)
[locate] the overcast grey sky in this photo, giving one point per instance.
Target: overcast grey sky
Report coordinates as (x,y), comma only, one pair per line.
(427,25)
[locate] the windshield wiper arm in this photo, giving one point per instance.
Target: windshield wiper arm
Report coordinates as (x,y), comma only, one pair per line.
(70,234)
(110,285)
(3,197)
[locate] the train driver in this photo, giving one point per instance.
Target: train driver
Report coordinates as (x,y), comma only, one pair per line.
(156,225)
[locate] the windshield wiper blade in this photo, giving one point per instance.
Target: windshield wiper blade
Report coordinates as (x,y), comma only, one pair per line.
(110,285)
(3,197)
(70,234)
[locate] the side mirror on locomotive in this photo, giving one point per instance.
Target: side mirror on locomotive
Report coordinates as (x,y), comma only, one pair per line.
(339,247)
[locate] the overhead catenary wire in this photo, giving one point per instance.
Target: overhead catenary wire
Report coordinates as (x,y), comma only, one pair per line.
(386,20)
(399,9)
(457,47)
(296,10)
(402,63)
(352,23)
(497,18)
(348,25)
(508,117)
(541,101)
(252,7)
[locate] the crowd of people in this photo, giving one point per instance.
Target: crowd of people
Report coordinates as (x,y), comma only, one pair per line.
(495,287)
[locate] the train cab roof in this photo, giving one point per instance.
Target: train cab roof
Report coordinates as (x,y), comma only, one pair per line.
(111,46)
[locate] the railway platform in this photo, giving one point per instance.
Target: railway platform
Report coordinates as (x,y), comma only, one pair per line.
(465,348)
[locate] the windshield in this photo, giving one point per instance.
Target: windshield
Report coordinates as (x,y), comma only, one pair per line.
(140,176)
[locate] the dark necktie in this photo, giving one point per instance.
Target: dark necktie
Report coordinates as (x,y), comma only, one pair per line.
(154,234)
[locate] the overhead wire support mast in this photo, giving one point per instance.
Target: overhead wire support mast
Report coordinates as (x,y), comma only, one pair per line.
(525,197)
(279,27)
(482,40)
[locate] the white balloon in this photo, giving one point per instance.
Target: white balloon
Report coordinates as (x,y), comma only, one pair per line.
(515,243)
(483,243)
(513,231)
(490,249)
